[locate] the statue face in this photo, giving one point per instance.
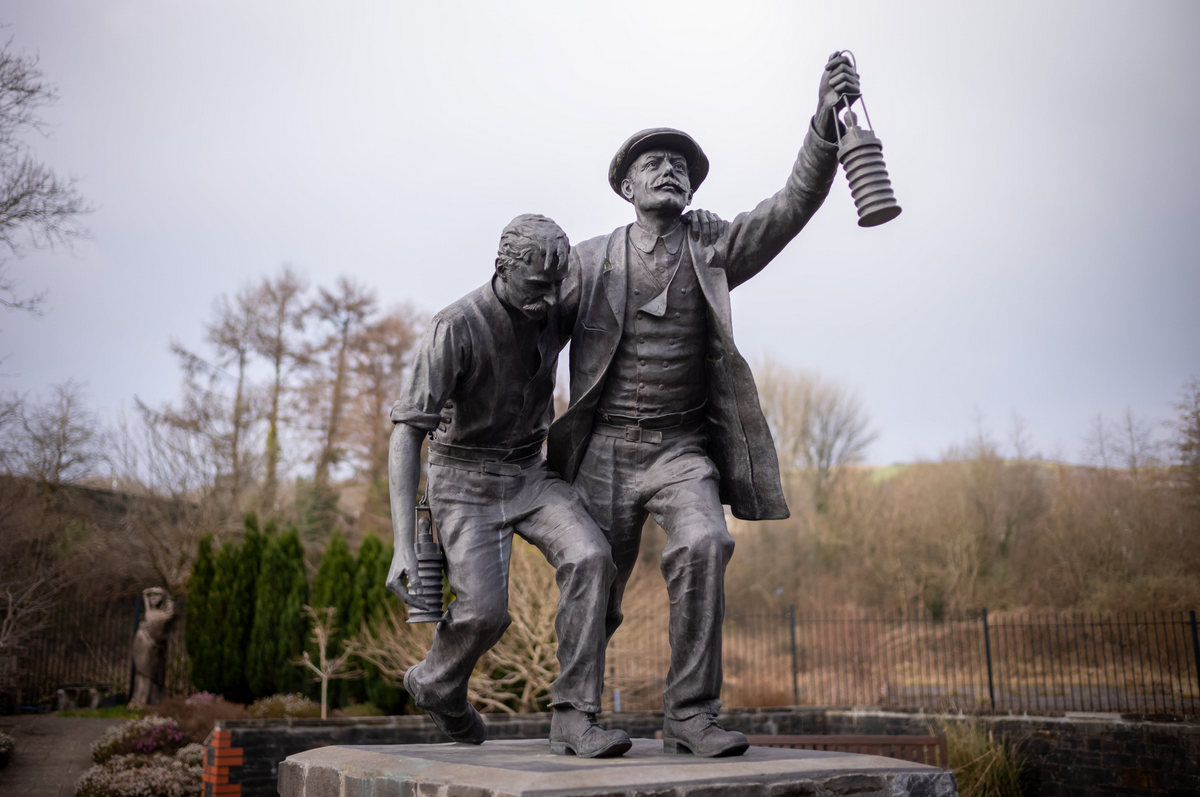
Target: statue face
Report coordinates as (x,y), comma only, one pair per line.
(531,289)
(658,180)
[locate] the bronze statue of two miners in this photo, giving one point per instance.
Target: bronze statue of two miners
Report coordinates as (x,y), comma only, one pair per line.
(663,420)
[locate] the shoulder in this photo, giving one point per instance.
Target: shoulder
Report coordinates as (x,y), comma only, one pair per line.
(464,319)
(467,311)
(593,250)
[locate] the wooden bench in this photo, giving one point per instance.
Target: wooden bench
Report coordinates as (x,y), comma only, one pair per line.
(930,750)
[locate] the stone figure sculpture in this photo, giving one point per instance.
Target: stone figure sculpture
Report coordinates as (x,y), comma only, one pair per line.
(664,416)
(482,390)
(150,647)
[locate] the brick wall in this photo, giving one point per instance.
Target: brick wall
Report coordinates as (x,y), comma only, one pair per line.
(221,758)
(1065,756)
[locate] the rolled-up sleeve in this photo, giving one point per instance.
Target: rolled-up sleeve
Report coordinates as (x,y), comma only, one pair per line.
(441,360)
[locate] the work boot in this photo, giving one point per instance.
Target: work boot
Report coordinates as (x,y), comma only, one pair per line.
(702,736)
(575,732)
(467,727)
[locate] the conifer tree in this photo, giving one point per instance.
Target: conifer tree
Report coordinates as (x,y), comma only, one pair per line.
(280,628)
(334,585)
(202,662)
(239,618)
(220,606)
(375,599)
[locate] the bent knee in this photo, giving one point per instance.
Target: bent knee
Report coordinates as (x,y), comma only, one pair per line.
(592,561)
(481,621)
(701,543)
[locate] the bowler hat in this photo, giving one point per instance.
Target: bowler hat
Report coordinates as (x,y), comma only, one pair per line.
(658,138)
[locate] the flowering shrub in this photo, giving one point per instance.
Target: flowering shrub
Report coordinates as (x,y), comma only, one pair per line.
(202,699)
(7,745)
(153,775)
(278,706)
(146,735)
(191,755)
(197,714)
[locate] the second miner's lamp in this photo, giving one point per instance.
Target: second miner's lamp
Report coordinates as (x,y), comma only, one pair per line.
(861,155)
(430,562)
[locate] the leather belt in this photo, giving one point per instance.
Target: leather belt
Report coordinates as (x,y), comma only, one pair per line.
(479,454)
(497,462)
(640,434)
(668,421)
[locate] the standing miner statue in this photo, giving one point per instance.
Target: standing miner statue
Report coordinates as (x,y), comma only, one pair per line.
(664,416)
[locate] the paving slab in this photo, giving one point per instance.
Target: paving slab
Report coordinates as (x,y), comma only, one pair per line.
(526,768)
(51,753)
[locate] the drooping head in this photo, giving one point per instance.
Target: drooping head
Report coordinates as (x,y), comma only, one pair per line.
(658,170)
(531,263)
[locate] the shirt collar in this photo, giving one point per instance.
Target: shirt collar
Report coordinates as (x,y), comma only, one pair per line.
(645,241)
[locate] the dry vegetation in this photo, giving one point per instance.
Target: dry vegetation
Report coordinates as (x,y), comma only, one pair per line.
(515,675)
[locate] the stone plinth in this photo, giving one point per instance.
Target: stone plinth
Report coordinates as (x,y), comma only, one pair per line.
(524,768)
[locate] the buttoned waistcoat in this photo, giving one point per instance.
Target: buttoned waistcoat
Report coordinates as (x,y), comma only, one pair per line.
(593,312)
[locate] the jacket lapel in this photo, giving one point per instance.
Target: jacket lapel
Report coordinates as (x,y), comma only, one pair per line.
(714,284)
(615,275)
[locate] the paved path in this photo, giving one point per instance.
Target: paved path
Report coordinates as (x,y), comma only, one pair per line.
(52,752)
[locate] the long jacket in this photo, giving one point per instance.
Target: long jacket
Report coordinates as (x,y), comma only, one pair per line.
(593,305)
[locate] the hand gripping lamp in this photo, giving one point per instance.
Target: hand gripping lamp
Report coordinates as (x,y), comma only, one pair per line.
(430,561)
(861,155)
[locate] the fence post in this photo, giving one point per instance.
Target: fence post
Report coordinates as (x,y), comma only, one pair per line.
(987,652)
(1195,644)
(796,662)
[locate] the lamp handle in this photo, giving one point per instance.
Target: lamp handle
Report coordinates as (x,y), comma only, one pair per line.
(858,97)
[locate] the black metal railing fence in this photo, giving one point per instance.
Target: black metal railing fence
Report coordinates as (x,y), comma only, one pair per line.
(89,645)
(1141,663)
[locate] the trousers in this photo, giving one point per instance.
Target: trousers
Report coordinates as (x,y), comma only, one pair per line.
(622,480)
(477,508)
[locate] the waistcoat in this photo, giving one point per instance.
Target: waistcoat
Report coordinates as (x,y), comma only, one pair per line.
(659,364)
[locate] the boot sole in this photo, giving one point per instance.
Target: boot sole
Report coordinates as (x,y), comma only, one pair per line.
(612,751)
(678,747)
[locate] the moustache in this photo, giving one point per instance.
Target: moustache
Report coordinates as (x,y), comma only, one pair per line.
(668,184)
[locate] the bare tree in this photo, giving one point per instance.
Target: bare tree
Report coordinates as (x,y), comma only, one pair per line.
(1187,437)
(819,427)
(216,403)
(345,309)
(30,584)
(55,441)
(378,360)
(1128,443)
(327,669)
(280,313)
(173,474)
(37,207)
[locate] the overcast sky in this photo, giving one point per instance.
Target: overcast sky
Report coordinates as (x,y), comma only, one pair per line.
(1045,154)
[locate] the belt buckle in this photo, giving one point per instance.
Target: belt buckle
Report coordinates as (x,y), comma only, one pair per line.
(636,434)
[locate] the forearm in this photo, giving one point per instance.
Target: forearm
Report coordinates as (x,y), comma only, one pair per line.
(404,474)
(756,237)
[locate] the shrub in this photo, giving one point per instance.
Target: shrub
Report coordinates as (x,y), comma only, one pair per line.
(146,735)
(199,623)
(7,745)
(280,706)
(279,629)
(153,775)
(196,715)
(360,710)
(984,765)
(191,755)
